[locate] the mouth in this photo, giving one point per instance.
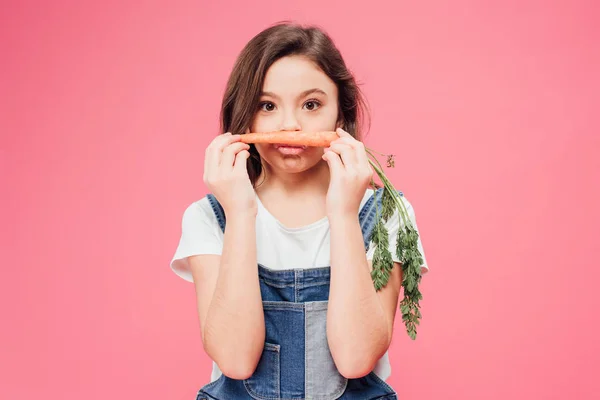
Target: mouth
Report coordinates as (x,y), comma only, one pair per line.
(289,149)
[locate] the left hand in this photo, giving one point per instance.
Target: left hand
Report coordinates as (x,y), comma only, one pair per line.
(350,172)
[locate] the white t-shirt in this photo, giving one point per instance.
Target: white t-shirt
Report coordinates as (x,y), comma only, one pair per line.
(278,247)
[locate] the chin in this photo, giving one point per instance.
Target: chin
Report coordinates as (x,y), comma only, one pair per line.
(295,166)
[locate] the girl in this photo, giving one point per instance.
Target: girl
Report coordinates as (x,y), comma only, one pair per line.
(279,251)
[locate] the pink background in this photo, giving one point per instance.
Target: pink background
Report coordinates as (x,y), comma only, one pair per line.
(491,108)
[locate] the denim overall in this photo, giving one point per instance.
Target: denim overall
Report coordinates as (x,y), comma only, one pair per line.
(296,363)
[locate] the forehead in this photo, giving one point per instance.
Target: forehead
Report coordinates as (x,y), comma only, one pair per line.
(294,74)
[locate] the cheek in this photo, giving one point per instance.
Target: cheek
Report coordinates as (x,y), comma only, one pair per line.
(262,123)
(324,119)
(261,149)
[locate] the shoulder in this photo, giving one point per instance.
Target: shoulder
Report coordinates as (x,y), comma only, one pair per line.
(368,193)
(395,218)
(200,206)
(200,210)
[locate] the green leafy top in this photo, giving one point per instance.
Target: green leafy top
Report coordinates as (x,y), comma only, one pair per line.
(407,249)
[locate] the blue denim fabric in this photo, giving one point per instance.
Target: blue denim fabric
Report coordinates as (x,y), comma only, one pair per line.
(296,363)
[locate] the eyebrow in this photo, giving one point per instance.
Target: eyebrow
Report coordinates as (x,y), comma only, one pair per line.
(303,94)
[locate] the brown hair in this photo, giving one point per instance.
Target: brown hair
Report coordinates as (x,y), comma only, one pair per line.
(242,94)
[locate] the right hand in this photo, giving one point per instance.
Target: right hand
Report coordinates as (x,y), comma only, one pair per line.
(226,175)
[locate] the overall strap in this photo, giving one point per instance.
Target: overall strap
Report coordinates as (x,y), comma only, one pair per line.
(218,210)
(368,214)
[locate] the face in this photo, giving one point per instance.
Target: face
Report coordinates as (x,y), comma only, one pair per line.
(296,96)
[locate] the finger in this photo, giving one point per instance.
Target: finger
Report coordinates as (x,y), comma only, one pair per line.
(230,152)
(239,164)
(359,149)
(334,162)
(212,154)
(342,133)
(224,140)
(346,152)
(215,149)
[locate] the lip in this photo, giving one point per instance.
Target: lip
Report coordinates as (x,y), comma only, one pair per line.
(289,149)
(278,145)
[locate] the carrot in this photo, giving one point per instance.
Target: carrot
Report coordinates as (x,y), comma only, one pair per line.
(292,138)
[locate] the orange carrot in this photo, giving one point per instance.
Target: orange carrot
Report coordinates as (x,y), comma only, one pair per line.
(292,138)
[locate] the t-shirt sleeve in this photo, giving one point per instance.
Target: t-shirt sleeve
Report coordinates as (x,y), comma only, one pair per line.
(392,225)
(200,234)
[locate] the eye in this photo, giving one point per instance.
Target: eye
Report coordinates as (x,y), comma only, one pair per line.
(266,106)
(312,105)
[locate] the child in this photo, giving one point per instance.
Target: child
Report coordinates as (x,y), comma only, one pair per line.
(279,251)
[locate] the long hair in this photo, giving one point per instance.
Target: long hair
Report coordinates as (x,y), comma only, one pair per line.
(242,94)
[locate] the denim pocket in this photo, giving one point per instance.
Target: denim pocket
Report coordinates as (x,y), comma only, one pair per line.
(264,384)
(323,380)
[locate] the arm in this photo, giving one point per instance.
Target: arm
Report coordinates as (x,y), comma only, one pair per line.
(360,320)
(229,301)
(227,287)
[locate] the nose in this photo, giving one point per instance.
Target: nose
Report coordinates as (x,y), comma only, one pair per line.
(290,122)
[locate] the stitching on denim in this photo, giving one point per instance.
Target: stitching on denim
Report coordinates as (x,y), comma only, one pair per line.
(211,384)
(307,374)
(362,220)
(275,348)
(313,284)
(217,210)
(296,285)
(382,382)
(275,283)
(369,216)
(282,305)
